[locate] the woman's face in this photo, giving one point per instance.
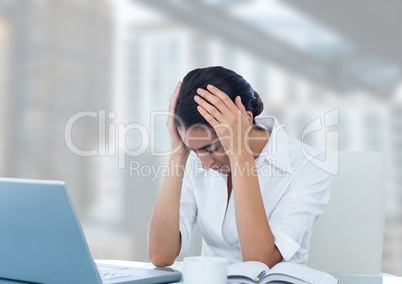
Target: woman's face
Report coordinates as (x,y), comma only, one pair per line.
(206,145)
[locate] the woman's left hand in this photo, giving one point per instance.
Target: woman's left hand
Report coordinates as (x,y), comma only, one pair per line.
(229,119)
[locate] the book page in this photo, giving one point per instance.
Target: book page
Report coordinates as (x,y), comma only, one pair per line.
(248,269)
(303,273)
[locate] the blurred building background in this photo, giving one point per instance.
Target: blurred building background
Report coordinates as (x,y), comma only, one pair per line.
(107,69)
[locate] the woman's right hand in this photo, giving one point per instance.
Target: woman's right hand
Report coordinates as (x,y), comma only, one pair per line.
(177,146)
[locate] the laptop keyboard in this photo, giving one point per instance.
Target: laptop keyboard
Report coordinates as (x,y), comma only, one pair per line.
(112,275)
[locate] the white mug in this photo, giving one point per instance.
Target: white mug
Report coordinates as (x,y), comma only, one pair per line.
(202,270)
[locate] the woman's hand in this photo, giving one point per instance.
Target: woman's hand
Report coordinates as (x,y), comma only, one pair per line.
(177,146)
(229,119)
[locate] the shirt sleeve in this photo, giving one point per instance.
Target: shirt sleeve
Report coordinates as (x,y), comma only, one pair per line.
(303,202)
(188,212)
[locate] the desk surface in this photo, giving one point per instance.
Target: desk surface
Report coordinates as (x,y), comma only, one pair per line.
(343,278)
(366,279)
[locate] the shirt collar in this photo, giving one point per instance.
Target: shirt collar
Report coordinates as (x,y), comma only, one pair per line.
(276,150)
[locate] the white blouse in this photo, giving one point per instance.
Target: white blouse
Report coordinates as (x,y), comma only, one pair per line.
(294,189)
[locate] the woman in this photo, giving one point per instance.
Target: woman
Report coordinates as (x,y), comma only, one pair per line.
(240,178)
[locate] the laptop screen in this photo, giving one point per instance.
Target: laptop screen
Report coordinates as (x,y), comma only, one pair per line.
(41,239)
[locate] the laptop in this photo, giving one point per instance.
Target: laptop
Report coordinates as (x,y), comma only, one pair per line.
(41,240)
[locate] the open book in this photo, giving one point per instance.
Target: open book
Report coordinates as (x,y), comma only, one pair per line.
(283,272)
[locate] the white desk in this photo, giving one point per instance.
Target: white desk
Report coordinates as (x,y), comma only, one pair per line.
(343,278)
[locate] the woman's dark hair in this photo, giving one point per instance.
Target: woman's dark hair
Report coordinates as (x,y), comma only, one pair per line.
(226,80)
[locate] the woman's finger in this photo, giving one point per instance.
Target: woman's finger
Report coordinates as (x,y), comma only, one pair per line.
(174,97)
(222,96)
(214,100)
(208,117)
(240,106)
(172,105)
(211,109)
